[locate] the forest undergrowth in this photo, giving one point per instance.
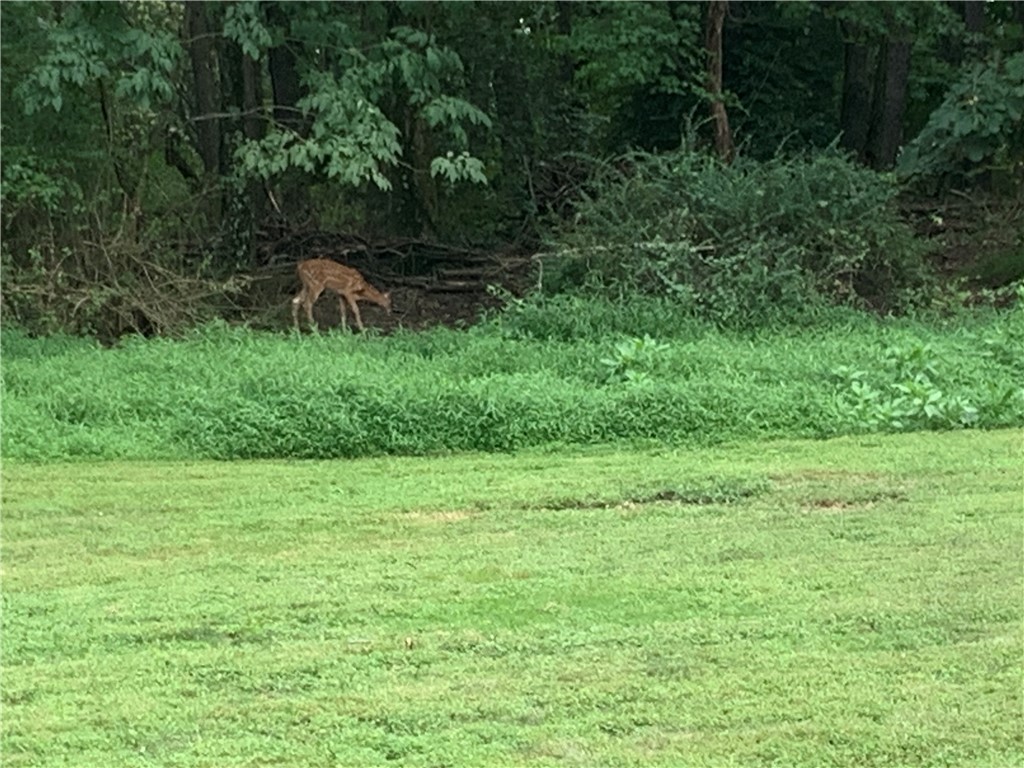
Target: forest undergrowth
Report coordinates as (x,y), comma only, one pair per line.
(550,371)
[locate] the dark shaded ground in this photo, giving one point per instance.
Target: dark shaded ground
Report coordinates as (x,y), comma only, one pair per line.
(430,284)
(975,241)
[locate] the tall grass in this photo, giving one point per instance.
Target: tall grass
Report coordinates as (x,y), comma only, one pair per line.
(526,378)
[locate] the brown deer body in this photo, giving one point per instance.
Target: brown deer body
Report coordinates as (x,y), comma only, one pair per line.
(351,287)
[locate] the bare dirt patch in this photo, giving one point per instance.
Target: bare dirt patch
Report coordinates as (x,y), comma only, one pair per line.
(428,517)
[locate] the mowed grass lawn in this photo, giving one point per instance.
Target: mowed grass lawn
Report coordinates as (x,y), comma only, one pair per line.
(855,602)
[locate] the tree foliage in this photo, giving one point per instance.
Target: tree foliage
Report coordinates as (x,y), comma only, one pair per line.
(176,131)
(976,129)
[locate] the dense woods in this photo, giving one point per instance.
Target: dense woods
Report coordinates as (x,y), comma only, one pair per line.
(166,163)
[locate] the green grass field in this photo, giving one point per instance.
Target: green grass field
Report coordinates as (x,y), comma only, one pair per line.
(853,602)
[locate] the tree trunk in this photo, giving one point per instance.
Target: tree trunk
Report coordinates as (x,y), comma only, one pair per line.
(974,16)
(199,42)
(978,44)
(713,43)
(242,205)
(887,129)
(566,62)
(284,74)
(125,163)
(252,124)
(425,208)
(855,115)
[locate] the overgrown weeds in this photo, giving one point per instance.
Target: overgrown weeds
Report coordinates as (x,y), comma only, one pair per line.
(743,244)
(515,382)
(110,289)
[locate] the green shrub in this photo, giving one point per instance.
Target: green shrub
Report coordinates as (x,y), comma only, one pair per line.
(633,359)
(741,244)
(910,395)
(914,384)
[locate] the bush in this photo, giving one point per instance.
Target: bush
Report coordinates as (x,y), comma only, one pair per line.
(976,129)
(108,290)
(741,244)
